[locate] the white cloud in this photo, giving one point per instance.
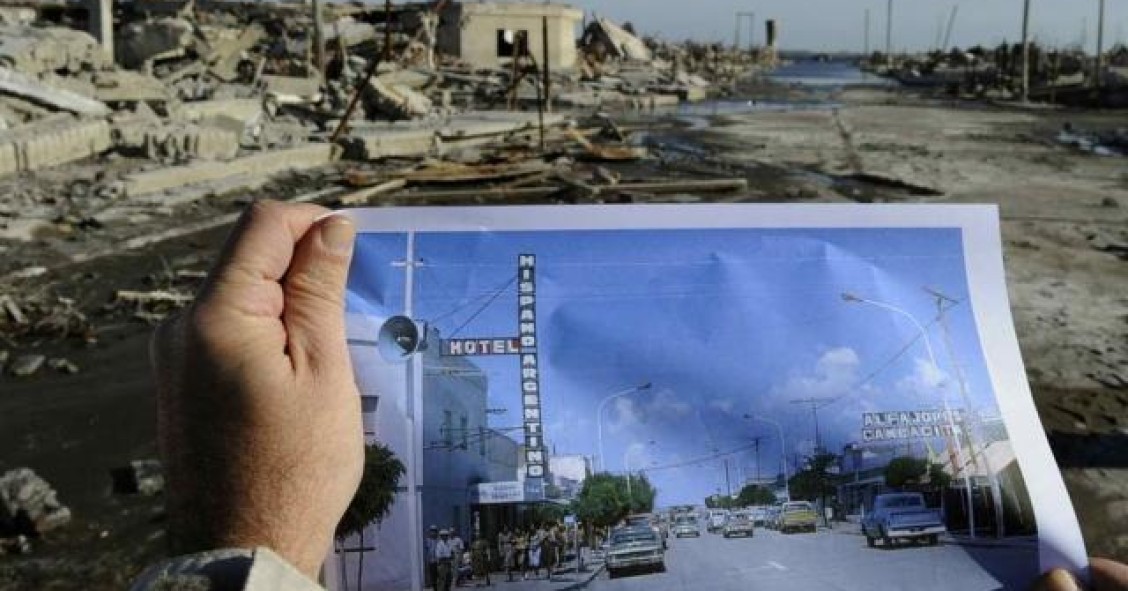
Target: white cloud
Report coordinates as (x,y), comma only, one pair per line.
(925,381)
(835,374)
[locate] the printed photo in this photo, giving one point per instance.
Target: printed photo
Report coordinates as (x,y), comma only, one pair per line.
(656,401)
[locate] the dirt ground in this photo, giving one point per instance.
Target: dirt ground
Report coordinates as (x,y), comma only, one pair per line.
(1065,226)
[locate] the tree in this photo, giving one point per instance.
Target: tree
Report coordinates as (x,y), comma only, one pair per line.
(754,494)
(374,496)
(376,493)
(905,471)
(642,494)
(816,480)
(603,501)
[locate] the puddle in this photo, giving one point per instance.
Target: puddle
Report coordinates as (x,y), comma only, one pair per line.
(698,115)
(870,188)
(1110,143)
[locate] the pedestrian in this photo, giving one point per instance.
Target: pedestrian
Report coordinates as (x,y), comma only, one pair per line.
(444,562)
(429,555)
(457,548)
(535,549)
(522,546)
(508,553)
(480,559)
(549,547)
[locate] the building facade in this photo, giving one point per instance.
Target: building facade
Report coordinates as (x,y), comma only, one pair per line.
(483,34)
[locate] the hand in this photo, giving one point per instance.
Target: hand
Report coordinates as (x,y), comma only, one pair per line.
(1107,575)
(259,417)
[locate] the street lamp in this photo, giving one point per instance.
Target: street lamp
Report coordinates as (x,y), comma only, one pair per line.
(782,451)
(599,417)
(851,298)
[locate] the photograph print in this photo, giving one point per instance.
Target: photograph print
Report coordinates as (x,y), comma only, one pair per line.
(653,401)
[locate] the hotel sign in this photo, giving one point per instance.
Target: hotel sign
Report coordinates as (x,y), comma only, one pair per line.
(535,460)
(524,346)
(477,347)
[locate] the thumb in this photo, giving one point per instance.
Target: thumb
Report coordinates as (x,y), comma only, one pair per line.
(314,289)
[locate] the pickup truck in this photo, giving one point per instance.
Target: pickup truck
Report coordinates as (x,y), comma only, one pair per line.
(902,516)
(797,516)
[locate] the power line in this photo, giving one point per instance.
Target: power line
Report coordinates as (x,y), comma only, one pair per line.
(484,306)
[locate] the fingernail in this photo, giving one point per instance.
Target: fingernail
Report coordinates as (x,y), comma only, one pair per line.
(338,233)
(1061,580)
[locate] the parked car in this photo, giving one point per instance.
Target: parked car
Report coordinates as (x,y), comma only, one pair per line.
(902,516)
(738,524)
(646,519)
(635,548)
(759,516)
(797,516)
(716,521)
(771,518)
(686,525)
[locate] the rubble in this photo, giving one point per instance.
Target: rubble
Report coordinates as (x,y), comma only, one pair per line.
(26,365)
(28,505)
(145,477)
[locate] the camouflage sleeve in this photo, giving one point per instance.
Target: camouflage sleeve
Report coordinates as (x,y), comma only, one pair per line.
(225,570)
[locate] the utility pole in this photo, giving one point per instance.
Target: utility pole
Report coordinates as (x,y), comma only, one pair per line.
(728,482)
(866,51)
(751,16)
(1100,44)
(951,25)
(972,427)
(889,32)
(1025,50)
(816,404)
(756,442)
(939,32)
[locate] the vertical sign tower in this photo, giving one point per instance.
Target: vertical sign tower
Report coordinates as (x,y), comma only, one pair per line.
(535,461)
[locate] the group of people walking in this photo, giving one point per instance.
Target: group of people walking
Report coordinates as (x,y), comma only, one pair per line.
(521,552)
(529,550)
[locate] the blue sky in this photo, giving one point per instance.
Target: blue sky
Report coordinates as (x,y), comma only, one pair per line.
(722,323)
(828,25)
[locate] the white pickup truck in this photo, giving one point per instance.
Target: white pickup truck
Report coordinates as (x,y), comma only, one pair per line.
(902,516)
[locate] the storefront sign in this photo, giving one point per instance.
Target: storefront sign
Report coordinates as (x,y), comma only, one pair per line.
(916,424)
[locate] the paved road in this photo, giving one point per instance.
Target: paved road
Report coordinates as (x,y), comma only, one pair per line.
(829,559)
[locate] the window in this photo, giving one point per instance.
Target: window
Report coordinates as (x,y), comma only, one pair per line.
(507,41)
(464,428)
(483,434)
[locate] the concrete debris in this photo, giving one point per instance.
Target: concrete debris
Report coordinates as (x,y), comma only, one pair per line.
(145,477)
(34,50)
(55,140)
(263,164)
(62,365)
(395,101)
(616,41)
(28,504)
(23,86)
(26,365)
(139,44)
(200,104)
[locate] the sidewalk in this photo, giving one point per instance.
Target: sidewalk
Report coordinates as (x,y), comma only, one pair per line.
(961,539)
(564,578)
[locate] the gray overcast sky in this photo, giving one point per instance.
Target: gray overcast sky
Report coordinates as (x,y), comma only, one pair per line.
(828,25)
